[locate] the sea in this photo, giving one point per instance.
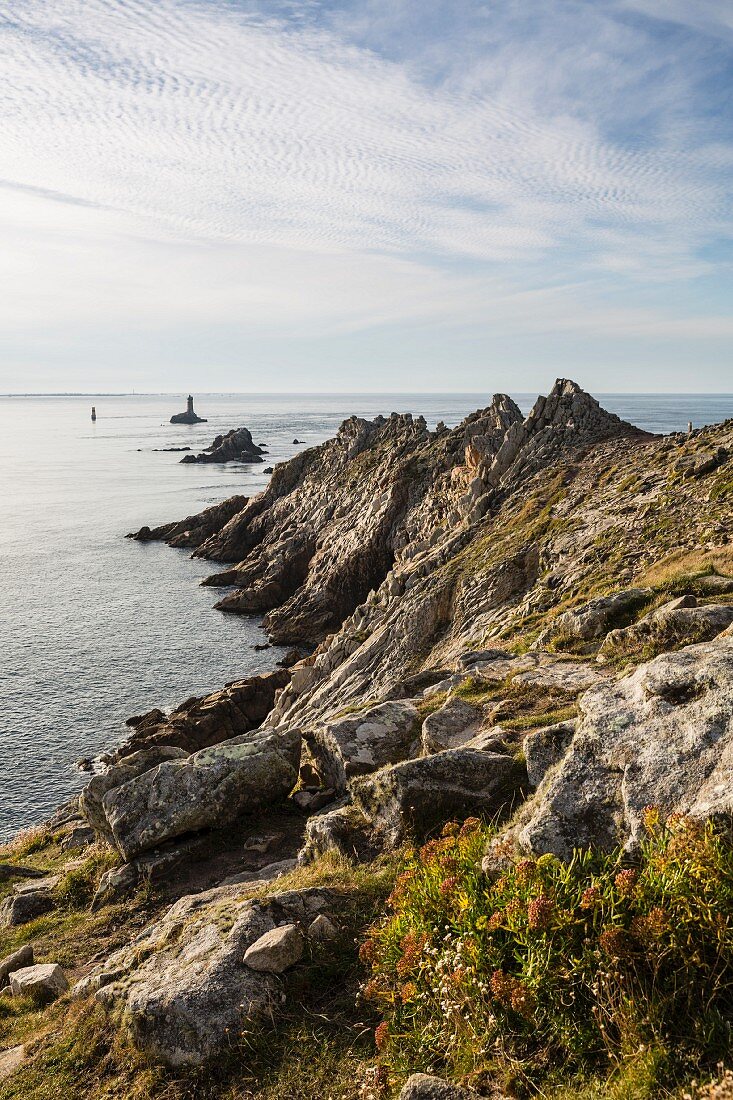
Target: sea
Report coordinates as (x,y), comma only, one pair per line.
(95,627)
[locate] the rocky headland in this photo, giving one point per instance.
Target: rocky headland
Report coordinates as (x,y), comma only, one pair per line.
(521,623)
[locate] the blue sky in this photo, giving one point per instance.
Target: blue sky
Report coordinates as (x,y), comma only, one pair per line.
(368,195)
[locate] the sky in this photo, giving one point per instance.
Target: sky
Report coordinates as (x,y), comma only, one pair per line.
(366,195)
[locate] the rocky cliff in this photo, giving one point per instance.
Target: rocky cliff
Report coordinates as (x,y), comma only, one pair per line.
(525,619)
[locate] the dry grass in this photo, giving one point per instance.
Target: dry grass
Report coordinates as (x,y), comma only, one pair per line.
(688,563)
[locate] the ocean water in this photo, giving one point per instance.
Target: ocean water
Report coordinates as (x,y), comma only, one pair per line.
(95,627)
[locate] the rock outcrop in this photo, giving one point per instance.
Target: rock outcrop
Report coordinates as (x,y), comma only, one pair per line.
(184,984)
(45,981)
(211,788)
(236,446)
(431,582)
(407,800)
(190,533)
(661,736)
(363,742)
(677,623)
(203,721)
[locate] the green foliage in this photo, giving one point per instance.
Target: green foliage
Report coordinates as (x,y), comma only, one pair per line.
(78,886)
(557,968)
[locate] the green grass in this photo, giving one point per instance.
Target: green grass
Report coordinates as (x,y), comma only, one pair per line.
(319,1044)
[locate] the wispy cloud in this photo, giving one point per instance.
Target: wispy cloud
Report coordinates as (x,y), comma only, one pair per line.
(301,165)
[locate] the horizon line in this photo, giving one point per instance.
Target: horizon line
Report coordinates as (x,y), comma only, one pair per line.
(355,393)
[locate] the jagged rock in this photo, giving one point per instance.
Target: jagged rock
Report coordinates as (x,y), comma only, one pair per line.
(450,726)
(544,748)
(421,1086)
(78,837)
(596,618)
(363,742)
(310,800)
(116,883)
(235,446)
(182,984)
(198,723)
(193,530)
(276,950)
(675,623)
(16,961)
(343,829)
(706,462)
(44,980)
(660,736)
(409,799)
(212,788)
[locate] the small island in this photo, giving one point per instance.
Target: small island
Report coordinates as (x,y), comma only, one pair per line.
(236,446)
(189,417)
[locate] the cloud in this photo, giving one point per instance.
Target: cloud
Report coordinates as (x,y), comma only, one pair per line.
(300,166)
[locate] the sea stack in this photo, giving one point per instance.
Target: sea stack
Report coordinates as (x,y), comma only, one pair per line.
(189,417)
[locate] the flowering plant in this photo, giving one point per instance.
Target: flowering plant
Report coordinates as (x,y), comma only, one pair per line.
(556,963)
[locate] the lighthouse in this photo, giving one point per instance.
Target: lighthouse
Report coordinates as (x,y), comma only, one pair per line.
(94,412)
(190,416)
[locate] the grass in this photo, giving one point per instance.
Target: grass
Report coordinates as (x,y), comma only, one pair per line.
(682,568)
(548,971)
(517,706)
(319,1044)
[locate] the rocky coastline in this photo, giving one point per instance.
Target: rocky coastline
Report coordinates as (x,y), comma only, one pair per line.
(526,621)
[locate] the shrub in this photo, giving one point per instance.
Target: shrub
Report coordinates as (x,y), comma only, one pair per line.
(571,966)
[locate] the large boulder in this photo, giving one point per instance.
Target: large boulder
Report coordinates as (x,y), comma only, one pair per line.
(676,623)
(210,789)
(183,984)
(28,901)
(410,798)
(15,961)
(91,800)
(363,742)
(44,980)
(662,735)
(597,617)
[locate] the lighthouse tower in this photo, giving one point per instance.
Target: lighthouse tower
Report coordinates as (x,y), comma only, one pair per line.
(189,407)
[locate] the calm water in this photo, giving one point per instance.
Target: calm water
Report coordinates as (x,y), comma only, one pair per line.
(95,627)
